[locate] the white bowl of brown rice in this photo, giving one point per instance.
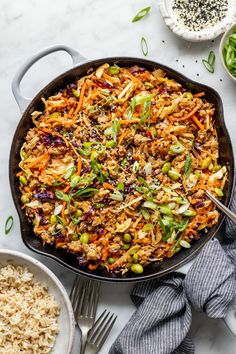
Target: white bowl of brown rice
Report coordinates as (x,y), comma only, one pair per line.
(36,315)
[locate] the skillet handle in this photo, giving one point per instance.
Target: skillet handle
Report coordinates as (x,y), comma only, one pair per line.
(23,101)
(230,318)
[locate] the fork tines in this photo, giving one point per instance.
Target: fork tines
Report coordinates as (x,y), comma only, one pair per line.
(84,297)
(101,329)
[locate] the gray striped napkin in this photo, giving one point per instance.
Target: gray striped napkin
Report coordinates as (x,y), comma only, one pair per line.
(163,317)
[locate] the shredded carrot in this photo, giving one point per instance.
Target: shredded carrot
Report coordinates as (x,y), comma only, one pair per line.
(197,122)
(81,97)
(122,136)
(79,165)
(108,186)
(40,162)
(110,78)
(93,266)
(66,189)
(199,94)
(129,121)
(63,212)
(104,253)
(19,174)
(198,106)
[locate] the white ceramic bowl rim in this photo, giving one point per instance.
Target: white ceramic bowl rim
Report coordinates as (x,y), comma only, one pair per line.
(171,21)
(222,43)
(58,284)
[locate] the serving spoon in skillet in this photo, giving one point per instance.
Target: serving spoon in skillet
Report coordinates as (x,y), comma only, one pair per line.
(222,207)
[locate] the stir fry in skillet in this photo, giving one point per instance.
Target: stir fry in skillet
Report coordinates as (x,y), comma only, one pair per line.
(115,167)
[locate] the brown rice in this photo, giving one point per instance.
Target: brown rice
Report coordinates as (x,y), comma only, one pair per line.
(28,313)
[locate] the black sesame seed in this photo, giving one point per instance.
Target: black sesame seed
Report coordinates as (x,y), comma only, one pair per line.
(199,14)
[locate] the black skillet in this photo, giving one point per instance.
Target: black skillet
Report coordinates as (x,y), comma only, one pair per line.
(80,68)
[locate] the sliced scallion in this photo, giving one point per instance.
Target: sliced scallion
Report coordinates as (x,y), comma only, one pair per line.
(144,46)
(187,166)
(8,224)
(210,62)
(141,14)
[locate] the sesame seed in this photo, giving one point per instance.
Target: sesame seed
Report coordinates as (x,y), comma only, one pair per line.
(200,14)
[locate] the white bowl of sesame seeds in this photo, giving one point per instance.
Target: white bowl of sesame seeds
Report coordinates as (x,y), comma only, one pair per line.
(198,20)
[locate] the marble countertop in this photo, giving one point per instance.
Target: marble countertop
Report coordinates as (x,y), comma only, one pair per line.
(97,28)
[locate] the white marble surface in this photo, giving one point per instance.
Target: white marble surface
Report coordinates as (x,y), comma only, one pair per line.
(97,28)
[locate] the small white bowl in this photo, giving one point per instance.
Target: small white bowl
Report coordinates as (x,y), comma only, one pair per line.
(222,44)
(64,339)
(172,22)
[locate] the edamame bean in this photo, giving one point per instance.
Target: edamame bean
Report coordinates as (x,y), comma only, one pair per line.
(114,70)
(53,219)
(24,199)
(111,260)
(219,192)
(149,85)
(127,238)
(206,162)
(23,180)
(135,258)
(126,246)
(79,212)
(166,167)
(137,268)
(84,238)
(188,95)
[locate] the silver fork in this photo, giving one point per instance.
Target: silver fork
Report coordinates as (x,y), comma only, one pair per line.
(84,298)
(99,332)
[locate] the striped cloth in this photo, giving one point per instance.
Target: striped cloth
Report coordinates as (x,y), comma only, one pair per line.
(163,317)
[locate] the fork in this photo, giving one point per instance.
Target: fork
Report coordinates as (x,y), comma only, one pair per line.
(99,332)
(84,298)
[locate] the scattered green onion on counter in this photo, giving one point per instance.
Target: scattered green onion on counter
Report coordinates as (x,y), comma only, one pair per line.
(144,46)
(210,62)
(229,53)
(8,224)
(141,14)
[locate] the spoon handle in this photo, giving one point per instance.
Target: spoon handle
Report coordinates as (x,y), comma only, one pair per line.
(222,207)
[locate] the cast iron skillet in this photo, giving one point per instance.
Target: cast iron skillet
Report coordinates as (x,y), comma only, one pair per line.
(67,259)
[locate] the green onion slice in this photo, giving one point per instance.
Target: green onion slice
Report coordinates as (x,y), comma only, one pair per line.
(115,129)
(141,14)
(144,46)
(8,224)
(211,58)
(187,166)
(210,62)
(60,195)
(209,67)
